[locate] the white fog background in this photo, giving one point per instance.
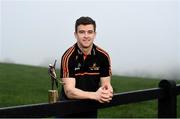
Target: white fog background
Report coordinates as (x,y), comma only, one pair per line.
(141,36)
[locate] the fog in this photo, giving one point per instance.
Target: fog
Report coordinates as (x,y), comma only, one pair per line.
(141,36)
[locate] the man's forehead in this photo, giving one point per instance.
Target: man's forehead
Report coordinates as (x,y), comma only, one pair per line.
(86,27)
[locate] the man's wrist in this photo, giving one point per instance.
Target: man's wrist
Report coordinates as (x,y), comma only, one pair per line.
(92,95)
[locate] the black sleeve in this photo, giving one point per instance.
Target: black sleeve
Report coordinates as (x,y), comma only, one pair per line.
(67,67)
(105,68)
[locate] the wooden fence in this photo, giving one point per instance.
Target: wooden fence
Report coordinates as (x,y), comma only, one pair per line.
(166,94)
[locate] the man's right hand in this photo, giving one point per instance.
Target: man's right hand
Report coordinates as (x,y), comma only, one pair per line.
(103,95)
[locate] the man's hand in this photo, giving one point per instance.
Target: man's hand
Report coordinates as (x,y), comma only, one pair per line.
(108,89)
(104,94)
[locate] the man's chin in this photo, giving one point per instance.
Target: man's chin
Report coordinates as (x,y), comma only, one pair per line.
(86,45)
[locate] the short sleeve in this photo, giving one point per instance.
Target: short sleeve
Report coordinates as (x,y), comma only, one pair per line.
(67,69)
(105,68)
(67,66)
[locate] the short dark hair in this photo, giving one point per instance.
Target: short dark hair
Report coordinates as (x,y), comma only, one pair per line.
(85,21)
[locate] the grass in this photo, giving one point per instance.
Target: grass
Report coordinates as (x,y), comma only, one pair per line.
(22,84)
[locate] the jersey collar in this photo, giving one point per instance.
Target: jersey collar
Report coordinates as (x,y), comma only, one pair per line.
(93,51)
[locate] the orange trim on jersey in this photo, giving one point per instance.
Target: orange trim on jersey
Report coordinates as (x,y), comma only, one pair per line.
(68,62)
(105,53)
(86,73)
(64,61)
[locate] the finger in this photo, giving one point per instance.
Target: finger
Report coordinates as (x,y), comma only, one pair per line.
(104,100)
(111,91)
(111,94)
(105,91)
(100,101)
(105,96)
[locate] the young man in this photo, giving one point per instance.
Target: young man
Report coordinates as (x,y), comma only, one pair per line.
(85,68)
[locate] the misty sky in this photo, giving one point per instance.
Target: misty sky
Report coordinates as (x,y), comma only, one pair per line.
(141,36)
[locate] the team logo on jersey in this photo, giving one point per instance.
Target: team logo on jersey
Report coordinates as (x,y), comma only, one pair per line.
(94,67)
(76,57)
(78,67)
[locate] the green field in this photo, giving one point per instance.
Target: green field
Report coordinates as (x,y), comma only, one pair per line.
(22,84)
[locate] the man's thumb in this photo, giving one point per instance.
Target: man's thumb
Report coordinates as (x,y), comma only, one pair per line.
(105,87)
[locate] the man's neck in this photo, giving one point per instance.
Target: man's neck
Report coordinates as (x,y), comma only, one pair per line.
(86,51)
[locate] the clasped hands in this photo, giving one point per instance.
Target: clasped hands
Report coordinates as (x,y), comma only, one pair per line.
(104,94)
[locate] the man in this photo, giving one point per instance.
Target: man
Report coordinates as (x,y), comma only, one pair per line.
(85,68)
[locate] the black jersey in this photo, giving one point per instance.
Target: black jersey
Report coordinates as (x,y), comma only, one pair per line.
(86,70)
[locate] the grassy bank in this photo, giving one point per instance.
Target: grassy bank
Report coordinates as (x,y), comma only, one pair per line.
(21,84)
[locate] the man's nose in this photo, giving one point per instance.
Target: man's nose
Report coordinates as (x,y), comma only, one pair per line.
(86,34)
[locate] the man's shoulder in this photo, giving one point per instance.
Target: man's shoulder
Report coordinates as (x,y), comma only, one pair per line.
(69,51)
(101,51)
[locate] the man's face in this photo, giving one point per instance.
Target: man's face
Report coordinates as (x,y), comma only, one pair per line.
(85,35)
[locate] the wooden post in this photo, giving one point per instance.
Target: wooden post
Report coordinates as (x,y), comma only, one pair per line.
(167,103)
(53,96)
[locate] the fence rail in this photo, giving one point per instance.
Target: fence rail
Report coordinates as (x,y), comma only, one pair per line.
(166,94)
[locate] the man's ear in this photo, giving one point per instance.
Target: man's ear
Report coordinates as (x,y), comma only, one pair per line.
(75,35)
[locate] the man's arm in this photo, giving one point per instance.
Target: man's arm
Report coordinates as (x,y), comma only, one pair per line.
(74,93)
(106,85)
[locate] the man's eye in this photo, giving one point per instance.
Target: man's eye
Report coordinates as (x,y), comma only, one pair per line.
(90,32)
(81,32)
